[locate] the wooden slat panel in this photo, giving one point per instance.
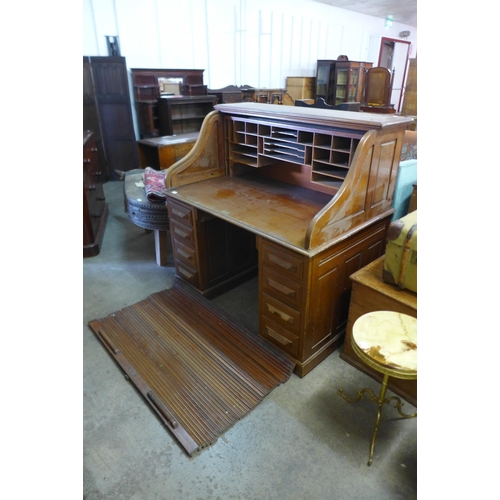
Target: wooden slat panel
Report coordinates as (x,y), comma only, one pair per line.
(198,370)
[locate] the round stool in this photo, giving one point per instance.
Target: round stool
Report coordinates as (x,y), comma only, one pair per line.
(387,342)
(152,216)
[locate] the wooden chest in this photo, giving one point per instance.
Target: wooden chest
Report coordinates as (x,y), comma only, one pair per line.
(400,266)
(370,293)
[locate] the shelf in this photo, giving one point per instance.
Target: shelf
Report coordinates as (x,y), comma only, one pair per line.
(257,144)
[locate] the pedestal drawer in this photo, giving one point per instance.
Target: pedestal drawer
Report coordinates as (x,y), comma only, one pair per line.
(180,212)
(280,313)
(283,289)
(182,233)
(280,337)
(284,261)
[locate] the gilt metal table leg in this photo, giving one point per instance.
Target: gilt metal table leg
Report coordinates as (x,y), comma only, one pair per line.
(380,402)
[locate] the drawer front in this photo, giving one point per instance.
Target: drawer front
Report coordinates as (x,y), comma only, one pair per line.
(187,273)
(283,289)
(182,233)
(179,212)
(280,337)
(185,254)
(279,313)
(283,261)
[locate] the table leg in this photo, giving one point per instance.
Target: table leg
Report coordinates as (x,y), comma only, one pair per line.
(380,402)
(161,247)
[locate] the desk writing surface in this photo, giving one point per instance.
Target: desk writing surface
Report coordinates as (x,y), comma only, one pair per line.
(263,206)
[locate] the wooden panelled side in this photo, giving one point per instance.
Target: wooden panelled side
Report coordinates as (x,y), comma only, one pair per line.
(330,284)
(109,75)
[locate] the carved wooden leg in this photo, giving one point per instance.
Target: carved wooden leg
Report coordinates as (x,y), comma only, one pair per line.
(161,247)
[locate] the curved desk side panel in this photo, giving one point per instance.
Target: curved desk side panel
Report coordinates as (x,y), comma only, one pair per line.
(367,192)
(205,160)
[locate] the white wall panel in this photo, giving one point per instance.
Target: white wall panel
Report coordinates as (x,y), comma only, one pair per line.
(236,42)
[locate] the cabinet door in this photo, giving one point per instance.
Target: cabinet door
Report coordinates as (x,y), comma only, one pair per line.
(109,75)
(331,285)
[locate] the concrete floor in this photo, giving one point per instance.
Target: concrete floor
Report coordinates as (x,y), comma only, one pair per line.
(303,442)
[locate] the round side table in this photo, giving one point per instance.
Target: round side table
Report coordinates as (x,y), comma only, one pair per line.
(387,342)
(146,214)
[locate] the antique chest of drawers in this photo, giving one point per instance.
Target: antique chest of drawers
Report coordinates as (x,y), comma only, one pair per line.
(95,208)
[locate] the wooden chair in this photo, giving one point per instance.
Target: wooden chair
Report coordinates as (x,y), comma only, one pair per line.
(377,90)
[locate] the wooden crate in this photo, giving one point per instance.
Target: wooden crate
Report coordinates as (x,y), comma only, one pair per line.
(301,87)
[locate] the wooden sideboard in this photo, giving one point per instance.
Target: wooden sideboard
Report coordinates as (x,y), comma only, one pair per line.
(370,293)
(95,208)
(145,82)
(301,196)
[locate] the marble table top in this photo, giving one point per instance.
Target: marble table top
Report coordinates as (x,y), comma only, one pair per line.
(388,338)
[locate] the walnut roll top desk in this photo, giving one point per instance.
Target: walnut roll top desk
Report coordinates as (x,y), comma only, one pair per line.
(301,196)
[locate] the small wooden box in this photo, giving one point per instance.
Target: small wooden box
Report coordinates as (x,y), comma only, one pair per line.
(301,87)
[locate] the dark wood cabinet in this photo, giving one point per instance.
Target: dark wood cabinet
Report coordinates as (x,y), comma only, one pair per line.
(95,208)
(148,89)
(108,112)
(340,81)
(183,114)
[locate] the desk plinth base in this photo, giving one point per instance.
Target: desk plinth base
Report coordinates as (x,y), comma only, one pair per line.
(381,400)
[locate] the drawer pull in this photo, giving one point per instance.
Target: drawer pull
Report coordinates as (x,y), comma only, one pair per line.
(281,288)
(276,336)
(282,263)
(285,317)
(182,215)
(185,273)
(184,254)
(181,233)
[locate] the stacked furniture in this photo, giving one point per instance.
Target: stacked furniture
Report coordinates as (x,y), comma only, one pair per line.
(147,91)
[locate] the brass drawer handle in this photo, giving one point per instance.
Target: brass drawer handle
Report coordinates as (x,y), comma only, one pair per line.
(281,288)
(276,336)
(285,317)
(282,263)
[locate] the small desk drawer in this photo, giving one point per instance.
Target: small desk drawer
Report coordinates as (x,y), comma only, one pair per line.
(280,313)
(185,254)
(282,261)
(187,273)
(182,233)
(280,337)
(180,212)
(283,289)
